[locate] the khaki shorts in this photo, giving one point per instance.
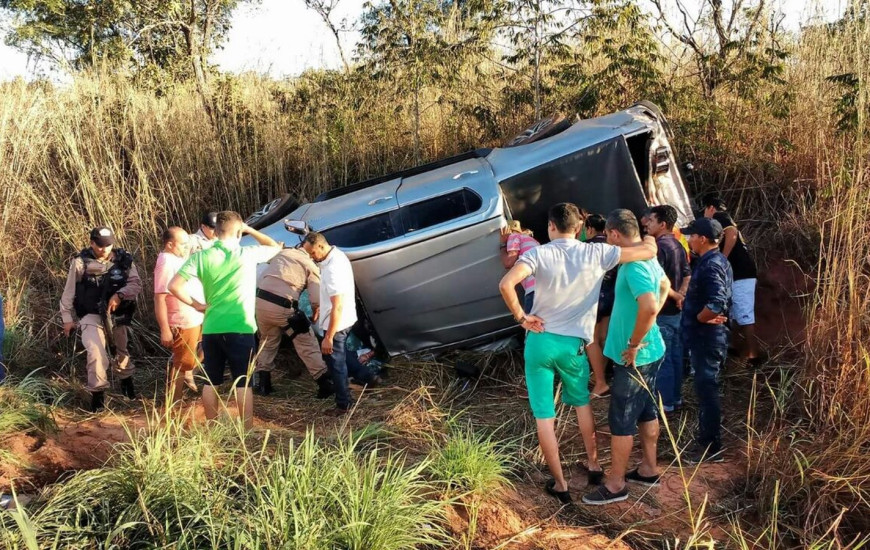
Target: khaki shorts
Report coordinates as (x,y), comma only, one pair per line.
(186,348)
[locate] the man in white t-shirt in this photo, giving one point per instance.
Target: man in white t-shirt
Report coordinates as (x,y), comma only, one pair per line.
(568,275)
(180,325)
(337,312)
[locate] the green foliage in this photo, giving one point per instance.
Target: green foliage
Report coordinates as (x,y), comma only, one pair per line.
(26,405)
(468,462)
(204,487)
(154,36)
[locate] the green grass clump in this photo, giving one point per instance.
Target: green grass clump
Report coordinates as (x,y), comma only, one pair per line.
(26,406)
(470,462)
(205,487)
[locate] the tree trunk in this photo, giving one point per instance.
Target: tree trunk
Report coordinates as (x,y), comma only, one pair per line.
(194,49)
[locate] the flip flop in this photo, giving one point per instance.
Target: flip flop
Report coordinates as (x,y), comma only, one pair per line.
(602,395)
(563,496)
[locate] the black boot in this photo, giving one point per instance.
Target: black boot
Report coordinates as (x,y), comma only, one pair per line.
(263,383)
(324,386)
(127,388)
(97,401)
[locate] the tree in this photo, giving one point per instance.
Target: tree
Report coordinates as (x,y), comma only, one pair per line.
(324,9)
(537,31)
(613,59)
(416,43)
(734,45)
(174,35)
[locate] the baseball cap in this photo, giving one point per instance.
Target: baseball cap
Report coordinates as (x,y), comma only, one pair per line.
(209,219)
(705,227)
(102,236)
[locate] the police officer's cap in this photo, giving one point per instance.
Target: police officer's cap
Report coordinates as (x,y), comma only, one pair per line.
(209,219)
(705,227)
(102,236)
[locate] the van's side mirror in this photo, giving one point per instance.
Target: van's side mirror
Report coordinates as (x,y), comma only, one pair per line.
(296,226)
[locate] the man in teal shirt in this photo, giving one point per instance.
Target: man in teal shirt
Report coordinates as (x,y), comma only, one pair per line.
(635,345)
(228,272)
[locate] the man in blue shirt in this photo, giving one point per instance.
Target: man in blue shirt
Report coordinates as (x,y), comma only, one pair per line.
(705,312)
(635,346)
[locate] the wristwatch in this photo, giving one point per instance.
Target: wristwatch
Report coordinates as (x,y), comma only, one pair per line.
(521,320)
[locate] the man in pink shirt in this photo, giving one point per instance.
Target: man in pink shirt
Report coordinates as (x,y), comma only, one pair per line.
(180,324)
(514,243)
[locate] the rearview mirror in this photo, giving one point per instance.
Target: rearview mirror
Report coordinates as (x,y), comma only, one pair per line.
(296,226)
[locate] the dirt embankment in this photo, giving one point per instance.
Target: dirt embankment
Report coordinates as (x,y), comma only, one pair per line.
(76,445)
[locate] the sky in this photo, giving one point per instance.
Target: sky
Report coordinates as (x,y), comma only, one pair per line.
(283,38)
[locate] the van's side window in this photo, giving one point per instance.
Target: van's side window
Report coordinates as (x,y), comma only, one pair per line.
(441,209)
(375,229)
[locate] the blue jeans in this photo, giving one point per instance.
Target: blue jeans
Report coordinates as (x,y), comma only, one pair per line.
(670,379)
(337,365)
(356,370)
(708,349)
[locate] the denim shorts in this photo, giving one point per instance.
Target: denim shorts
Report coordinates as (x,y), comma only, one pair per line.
(632,397)
(228,349)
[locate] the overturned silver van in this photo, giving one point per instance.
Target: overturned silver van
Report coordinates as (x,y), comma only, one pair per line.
(424,242)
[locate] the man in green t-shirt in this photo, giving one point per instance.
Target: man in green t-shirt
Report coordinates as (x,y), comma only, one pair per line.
(635,345)
(228,272)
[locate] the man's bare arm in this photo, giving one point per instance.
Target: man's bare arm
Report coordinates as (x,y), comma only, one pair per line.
(647,309)
(507,288)
(161,313)
(646,251)
(178,288)
(261,238)
(729,236)
(508,285)
(664,291)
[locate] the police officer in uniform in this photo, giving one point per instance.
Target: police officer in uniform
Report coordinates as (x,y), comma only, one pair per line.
(278,289)
(204,237)
(101,290)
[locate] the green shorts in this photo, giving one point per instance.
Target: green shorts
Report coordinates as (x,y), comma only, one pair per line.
(545,355)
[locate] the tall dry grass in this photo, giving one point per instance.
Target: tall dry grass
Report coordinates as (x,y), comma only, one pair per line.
(810,461)
(102,150)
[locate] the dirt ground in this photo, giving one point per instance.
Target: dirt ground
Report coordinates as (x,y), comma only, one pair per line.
(521,516)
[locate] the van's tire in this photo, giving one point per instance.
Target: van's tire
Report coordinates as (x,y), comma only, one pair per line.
(272,211)
(542,129)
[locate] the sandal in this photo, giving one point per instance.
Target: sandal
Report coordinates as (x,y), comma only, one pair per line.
(563,496)
(601,395)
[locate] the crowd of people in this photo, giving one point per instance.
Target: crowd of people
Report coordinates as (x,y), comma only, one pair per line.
(601,291)
(635,295)
(210,302)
